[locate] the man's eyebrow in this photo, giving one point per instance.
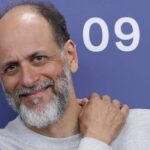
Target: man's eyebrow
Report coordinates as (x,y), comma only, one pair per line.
(9,62)
(31,56)
(34,54)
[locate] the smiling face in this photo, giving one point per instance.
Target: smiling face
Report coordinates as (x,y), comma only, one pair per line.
(33,72)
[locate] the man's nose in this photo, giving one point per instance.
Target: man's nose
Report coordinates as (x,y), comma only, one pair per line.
(28,76)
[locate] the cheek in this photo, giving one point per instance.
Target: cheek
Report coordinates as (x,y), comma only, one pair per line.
(53,71)
(49,70)
(9,83)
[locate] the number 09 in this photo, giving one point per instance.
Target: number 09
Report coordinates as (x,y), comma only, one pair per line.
(134,35)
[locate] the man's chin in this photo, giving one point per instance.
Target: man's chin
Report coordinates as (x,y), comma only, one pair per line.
(34,117)
(41,117)
(36,104)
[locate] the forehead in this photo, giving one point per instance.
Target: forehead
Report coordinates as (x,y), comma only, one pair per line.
(23,17)
(22,29)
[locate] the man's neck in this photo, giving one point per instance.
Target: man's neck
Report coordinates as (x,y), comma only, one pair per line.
(66,126)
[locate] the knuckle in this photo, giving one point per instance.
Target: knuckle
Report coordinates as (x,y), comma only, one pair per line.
(93,95)
(125,110)
(115,110)
(107,98)
(116,101)
(94,98)
(126,107)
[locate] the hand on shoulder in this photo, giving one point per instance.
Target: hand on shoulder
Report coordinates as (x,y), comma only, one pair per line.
(102,118)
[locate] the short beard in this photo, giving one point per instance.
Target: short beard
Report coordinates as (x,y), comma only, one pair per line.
(53,111)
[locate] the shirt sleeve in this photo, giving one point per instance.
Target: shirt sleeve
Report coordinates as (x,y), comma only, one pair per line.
(88,143)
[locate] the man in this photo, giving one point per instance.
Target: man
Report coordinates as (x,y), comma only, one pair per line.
(37,57)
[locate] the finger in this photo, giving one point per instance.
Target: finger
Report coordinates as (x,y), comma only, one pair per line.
(85,99)
(83,102)
(106,99)
(125,110)
(116,103)
(94,97)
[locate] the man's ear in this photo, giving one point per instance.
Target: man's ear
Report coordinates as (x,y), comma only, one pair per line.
(71,54)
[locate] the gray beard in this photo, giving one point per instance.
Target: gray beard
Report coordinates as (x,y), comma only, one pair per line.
(52,112)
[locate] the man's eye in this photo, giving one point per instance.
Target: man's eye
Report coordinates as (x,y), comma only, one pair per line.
(10,69)
(39,59)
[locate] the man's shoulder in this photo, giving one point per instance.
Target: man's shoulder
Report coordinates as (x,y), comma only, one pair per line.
(136,132)
(10,136)
(12,129)
(139,116)
(137,121)
(11,123)
(9,128)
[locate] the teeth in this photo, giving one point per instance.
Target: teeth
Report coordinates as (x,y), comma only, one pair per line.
(36,101)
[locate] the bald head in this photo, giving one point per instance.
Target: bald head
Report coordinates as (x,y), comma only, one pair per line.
(25,13)
(23,23)
(23,16)
(28,11)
